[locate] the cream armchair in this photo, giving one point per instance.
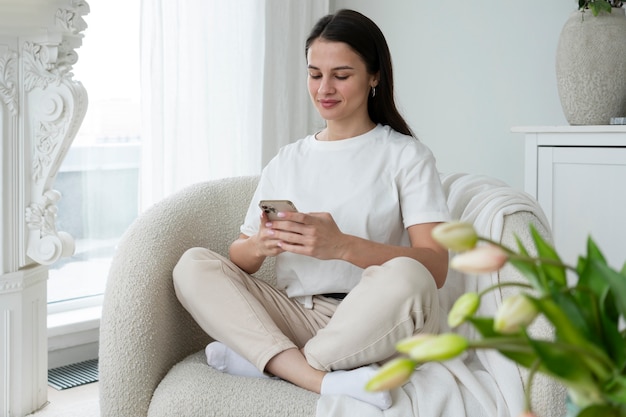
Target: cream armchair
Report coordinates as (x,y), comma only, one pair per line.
(151,351)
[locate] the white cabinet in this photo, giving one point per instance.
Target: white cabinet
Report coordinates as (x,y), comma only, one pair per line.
(578,175)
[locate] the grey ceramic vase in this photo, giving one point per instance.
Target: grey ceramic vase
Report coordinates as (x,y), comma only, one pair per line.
(591,67)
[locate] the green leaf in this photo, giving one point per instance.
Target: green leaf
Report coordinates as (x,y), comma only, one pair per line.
(484,325)
(572,329)
(597,6)
(616,390)
(610,327)
(600,410)
(593,251)
(588,276)
(590,293)
(520,247)
(527,360)
(556,273)
(614,342)
(605,6)
(529,270)
(526,266)
(588,309)
(617,283)
(594,292)
(565,315)
(561,363)
(608,306)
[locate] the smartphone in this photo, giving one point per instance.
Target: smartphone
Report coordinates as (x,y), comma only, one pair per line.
(273,207)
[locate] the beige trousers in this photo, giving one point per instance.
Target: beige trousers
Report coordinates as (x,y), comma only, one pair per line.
(391,302)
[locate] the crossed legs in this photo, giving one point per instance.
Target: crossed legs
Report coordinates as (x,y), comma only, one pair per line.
(270,333)
(292,366)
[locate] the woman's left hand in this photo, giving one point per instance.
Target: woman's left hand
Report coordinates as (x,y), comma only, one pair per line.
(311,234)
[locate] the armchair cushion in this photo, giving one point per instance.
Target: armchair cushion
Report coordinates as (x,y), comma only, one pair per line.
(192,388)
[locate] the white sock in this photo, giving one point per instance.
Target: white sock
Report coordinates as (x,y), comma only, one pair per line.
(352,383)
(224,359)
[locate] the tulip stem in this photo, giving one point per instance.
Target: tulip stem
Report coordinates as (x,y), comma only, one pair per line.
(504,284)
(529,384)
(508,344)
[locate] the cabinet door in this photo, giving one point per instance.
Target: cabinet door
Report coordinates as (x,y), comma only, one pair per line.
(583,192)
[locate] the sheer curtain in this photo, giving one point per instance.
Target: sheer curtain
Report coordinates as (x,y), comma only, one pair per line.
(223,87)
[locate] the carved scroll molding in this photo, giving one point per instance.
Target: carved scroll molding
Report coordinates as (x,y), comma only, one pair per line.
(54,107)
(11,240)
(8,82)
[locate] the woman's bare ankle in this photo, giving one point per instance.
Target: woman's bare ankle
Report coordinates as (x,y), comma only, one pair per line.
(291,365)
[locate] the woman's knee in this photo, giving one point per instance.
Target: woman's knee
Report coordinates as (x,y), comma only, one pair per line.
(400,277)
(192,255)
(189,267)
(410,288)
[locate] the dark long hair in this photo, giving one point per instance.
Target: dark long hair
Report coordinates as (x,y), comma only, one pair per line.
(366,39)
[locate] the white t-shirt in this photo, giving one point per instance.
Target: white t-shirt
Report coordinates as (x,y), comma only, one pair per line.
(374,185)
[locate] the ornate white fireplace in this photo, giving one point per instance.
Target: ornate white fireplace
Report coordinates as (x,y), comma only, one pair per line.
(41,109)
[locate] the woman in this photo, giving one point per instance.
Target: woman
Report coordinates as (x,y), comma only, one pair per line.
(356,267)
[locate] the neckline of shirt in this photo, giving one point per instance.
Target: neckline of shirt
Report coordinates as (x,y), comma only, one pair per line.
(344,143)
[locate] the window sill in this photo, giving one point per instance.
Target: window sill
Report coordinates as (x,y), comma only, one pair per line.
(73,335)
(73,321)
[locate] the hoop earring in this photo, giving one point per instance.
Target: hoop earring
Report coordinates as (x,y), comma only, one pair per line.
(373,92)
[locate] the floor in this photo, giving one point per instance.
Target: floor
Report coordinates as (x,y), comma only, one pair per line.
(68,401)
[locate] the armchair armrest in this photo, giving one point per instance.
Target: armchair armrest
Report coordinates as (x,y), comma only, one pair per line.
(144,330)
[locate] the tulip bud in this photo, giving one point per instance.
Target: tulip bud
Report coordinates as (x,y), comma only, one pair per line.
(456,236)
(484,259)
(465,306)
(407,345)
(393,374)
(515,312)
(440,348)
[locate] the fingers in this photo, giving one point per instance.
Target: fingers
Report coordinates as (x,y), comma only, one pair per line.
(312,234)
(292,216)
(268,243)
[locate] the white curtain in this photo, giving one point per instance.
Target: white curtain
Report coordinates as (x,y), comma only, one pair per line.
(223,87)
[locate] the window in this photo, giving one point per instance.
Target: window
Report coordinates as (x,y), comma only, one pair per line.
(229,49)
(99,178)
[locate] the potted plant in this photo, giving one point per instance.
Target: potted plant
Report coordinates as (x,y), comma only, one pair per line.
(596,6)
(591,63)
(588,351)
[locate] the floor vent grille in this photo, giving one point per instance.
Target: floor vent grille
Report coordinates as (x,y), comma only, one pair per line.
(71,376)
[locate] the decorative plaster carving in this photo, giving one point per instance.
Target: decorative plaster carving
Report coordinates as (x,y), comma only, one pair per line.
(49,135)
(41,109)
(72,19)
(55,106)
(40,66)
(8,81)
(41,218)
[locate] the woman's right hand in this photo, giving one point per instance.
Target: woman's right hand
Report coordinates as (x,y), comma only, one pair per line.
(249,252)
(265,241)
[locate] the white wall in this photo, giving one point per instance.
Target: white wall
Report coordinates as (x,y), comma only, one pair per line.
(468,71)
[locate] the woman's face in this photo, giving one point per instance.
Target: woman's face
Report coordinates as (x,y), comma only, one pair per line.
(338,81)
